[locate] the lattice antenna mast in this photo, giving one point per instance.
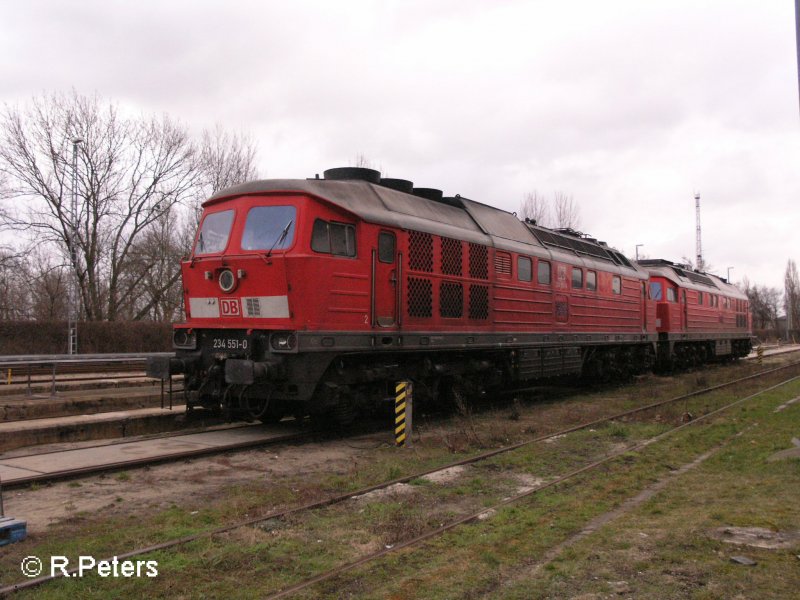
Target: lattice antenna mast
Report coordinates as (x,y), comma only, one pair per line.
(699,259)
(74,292)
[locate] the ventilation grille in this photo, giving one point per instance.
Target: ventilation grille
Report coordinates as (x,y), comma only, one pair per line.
(579,246)
(420,297)
(502,263)
(695,277)
(479,302)
(420,251)
(478,261)
(451,256)
(451,300)
(252,307)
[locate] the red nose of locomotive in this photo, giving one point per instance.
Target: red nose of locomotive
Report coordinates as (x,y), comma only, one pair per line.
(250,292)
(236,292)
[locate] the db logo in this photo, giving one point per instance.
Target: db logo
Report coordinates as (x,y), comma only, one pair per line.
(229,307)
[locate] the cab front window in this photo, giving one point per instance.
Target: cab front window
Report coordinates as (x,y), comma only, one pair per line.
(214,233)
(655,291)
(269,228)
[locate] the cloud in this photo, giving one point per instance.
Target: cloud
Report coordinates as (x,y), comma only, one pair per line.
(630,107)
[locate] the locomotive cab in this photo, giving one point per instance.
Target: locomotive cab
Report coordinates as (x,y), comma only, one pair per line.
(240,318)
(265,268)
(700,317)
(669,314)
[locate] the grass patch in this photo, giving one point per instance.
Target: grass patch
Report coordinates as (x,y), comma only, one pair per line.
(481,559)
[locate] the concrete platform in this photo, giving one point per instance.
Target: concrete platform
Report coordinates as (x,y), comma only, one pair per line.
(105,425)
(20,407)
(43,384)
(772,350)
(120,454)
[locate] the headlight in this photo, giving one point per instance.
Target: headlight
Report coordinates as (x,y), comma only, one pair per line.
(284,341)
(182,338)
(227,281)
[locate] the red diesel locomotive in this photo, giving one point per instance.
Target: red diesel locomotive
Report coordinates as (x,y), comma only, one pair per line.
(311,296)
(699,316)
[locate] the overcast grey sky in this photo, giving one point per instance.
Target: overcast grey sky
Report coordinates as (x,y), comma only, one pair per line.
(628,106)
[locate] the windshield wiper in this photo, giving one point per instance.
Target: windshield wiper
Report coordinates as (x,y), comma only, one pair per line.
(281,237)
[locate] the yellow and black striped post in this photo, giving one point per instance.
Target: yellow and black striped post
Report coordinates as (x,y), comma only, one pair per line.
(760,353)
(402,414)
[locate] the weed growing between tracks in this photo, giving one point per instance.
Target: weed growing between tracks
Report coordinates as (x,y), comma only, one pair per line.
(661,549)
(256,560)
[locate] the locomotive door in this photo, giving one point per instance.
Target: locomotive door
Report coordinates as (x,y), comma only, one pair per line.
(644,306)
(385,281)
(685,322)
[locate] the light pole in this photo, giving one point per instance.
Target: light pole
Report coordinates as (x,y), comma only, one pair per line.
(729,274)
(637,251)
(74,300)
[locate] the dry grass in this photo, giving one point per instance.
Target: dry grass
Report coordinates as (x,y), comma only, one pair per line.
(257,560)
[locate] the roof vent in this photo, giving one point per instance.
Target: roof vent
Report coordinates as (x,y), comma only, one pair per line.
(429,193)
(452,201)
(353,173)
(401,185)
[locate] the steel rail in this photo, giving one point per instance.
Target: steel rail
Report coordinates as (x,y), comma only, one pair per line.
(144,438)
(49,359)
(341,569)
(151,460)
(42,369)
(405,479)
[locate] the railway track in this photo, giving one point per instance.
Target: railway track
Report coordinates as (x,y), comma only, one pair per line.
(419,539)
(152,450)
(56,369)
(141,447)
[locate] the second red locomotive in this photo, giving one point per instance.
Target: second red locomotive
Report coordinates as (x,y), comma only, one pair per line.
(310,296)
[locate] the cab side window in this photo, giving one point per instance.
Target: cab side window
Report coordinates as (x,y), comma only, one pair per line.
(524,269)
(338,239)
(591,281)
(577,278)
(616,285)
(386,243)
(543,272)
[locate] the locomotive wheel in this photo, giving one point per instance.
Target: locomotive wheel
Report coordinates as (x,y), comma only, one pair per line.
(343,414)
(274,413)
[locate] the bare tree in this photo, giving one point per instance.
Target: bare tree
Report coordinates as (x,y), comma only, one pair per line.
(157,255)
(225,159)
(566,211)
(792,295)
(14,287)
(560,212)
(364,162)
(764,302)
(49,286)
(534,207)
(130,173)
